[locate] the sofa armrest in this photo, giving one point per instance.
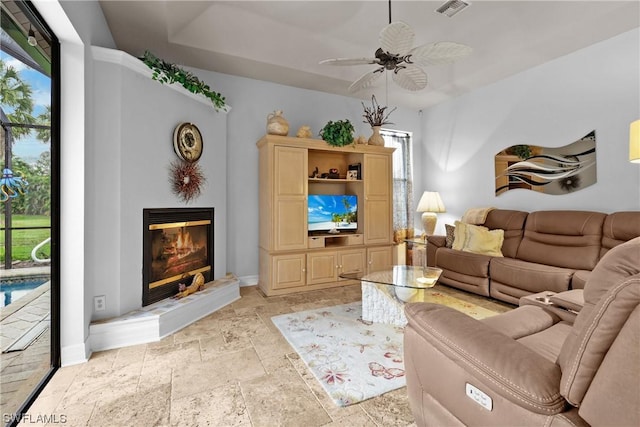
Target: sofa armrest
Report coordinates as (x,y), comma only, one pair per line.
(437,241)
(572,300)
(507,367)
(433,244)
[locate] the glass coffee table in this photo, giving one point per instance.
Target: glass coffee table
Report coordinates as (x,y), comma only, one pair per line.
(385,292)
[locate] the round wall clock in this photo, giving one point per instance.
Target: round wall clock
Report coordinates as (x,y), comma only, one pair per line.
(187,142)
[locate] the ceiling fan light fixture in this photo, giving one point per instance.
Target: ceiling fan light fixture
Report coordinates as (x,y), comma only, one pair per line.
(397,56)
(452,7)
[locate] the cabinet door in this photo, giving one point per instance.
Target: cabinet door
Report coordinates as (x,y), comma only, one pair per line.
(351,261)
(378,199)
(288,271)
(380,258)
(290,198)
(322,268)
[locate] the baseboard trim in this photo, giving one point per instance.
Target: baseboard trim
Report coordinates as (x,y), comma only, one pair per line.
(248,280)
(75,354)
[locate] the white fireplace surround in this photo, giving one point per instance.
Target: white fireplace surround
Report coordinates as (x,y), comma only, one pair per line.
(131,150)
(131,153)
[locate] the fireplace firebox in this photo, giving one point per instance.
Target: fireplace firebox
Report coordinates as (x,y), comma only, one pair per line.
(177,244)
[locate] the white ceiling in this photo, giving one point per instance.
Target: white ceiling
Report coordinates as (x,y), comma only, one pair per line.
(283,41)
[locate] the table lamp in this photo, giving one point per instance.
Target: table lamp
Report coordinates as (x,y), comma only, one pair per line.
(634,142)
(430,204)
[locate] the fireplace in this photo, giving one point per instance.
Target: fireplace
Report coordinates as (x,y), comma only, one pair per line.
(177,244)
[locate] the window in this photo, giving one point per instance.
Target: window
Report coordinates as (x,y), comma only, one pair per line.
(402,183)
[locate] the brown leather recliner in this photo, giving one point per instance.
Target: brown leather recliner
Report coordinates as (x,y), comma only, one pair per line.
(527,367)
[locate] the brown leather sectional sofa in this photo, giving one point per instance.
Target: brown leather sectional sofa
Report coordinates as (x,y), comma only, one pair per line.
(543,251)
(529,367)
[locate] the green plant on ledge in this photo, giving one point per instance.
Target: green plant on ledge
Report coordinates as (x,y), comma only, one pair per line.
(165,72)
(338,134)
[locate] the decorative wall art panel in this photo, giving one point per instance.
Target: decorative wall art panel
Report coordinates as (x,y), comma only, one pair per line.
(558,170)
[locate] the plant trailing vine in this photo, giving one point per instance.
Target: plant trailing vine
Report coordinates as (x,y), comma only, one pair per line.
(166,72)
(338,134)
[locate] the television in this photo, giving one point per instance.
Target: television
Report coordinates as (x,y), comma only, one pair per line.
(332,213)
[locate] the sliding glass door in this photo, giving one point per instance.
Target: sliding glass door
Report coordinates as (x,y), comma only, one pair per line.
(29,203)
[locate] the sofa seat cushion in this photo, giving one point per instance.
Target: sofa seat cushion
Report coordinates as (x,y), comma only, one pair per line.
(528,276)
(523,321)
(548,343)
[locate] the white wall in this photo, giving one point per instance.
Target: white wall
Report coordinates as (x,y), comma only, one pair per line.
(76,25)
(128,163)
(252,101)
(551,105)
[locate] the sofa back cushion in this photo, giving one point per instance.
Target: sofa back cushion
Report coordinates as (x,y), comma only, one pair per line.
(611,295)
(619,227)
(512,222)
(569,239)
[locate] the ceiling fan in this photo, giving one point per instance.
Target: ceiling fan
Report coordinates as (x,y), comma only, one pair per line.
(396,54)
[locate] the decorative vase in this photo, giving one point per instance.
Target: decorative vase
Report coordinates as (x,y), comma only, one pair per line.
(276,124)
(376,138)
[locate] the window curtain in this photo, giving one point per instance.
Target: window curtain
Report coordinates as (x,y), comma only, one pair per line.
(402,184)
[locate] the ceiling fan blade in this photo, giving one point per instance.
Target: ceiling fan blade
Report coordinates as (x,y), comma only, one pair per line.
(411,78)
(365,80)
(397,38)
(349,61)
(438,53)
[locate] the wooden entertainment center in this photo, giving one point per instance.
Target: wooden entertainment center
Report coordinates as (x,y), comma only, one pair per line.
(292,259)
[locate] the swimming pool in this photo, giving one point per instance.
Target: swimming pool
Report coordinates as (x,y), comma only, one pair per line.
(13,289)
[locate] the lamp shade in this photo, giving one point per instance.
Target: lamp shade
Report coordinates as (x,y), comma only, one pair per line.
(634,142)
(430,202)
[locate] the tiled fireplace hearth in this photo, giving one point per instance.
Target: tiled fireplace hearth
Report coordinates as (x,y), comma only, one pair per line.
(156,321)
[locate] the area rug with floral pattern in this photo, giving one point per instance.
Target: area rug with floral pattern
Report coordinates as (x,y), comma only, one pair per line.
(354,360)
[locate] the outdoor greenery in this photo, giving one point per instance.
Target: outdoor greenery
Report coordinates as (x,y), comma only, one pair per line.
(32,209)
(338,134)
(16,94)
(37,200)
(166,72)
(25,240)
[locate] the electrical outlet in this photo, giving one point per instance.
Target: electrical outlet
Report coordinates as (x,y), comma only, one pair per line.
(100,303)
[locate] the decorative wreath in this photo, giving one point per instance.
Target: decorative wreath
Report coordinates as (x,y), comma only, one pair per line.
(186,180)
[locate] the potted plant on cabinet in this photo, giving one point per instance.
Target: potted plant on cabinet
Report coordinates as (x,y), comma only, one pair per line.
(337,134)
(376,116)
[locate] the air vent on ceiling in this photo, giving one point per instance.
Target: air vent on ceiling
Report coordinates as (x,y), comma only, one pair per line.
(452,7)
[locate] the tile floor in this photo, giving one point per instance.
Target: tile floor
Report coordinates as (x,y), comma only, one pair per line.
(232,368)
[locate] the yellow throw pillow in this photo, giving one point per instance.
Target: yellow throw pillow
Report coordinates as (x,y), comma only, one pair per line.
(478,239)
